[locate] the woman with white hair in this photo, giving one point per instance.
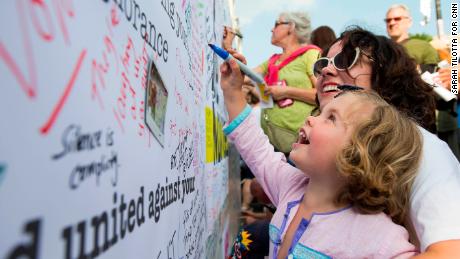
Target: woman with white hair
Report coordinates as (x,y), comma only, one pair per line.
(290,80)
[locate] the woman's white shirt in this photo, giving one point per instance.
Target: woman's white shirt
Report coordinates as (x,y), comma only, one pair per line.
(435,195)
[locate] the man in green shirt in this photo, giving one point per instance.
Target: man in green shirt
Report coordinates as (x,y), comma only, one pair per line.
(398,21)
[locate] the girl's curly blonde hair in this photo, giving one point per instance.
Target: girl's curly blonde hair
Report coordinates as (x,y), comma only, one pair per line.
(381,160)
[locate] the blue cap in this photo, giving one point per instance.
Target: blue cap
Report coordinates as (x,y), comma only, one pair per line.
(220,52)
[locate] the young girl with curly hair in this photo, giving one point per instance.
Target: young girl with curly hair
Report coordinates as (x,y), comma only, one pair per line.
(373,62)
(355,164)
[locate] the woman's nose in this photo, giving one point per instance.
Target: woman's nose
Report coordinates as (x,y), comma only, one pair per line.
(329,69)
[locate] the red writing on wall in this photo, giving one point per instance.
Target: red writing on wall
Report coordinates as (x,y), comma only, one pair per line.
(129,65)
(38,15)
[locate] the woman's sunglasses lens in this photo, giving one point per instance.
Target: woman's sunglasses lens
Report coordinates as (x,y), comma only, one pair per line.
(341,61)
(345,60)
(319,65)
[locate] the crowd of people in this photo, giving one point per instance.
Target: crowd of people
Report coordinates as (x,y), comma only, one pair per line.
(358,157)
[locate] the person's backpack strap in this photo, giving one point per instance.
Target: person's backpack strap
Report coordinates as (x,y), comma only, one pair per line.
(272,71)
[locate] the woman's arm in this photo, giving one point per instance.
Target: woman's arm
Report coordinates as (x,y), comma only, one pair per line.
(313,80)
(440,250)
(300,94)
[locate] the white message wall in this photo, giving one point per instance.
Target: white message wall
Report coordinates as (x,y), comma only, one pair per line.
(81,174)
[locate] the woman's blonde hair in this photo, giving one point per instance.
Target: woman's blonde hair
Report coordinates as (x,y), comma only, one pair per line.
(381,160)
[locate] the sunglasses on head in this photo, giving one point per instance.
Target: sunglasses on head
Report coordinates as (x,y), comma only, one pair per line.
(340,61)
(397,19)
(279,23)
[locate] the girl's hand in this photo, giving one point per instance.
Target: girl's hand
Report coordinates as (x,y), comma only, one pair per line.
(231,76)
(231,82)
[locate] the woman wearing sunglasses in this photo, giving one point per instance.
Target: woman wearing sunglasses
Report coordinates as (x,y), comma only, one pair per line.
(290,79)
(374,62)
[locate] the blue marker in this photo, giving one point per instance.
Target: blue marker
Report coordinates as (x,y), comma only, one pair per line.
(245,69)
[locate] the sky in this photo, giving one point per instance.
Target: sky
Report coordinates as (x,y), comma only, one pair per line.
(256,19)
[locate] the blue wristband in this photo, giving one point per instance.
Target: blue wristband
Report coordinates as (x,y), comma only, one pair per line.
(238,120)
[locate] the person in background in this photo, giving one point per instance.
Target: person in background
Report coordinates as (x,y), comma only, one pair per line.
(260,206)
(290,79)
(323,37)
(399,21)
(448,119)
(376,63)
